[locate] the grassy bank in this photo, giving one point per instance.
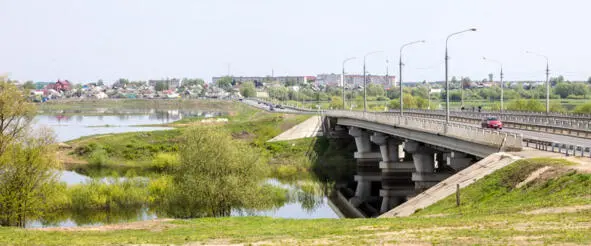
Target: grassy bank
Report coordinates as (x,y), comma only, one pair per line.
(501,192)
(493,211)
(156,151)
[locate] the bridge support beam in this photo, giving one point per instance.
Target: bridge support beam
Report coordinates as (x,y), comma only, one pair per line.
(424,162)
(367,166)
(396,176)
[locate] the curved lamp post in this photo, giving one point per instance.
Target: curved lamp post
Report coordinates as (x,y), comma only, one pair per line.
(400,72)
(446,72)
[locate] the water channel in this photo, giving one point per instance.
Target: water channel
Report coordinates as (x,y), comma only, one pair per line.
(303,205)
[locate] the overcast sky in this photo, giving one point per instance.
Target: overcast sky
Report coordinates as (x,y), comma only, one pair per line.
(84,40)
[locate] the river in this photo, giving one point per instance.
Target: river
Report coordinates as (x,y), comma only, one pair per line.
(302,205)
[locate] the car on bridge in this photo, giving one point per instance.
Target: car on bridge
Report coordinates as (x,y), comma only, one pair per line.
(492,122)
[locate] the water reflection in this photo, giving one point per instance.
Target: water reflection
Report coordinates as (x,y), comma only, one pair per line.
(162,115)
(305,200)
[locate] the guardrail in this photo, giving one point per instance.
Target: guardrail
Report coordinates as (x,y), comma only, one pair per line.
(566,149)
(502,140)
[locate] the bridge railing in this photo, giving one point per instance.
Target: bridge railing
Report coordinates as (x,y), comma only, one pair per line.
(502,140)
(534,122)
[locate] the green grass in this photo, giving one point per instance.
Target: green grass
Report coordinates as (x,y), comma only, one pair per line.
(497,193)
(456,230)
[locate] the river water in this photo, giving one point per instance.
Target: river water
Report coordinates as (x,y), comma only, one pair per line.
(304,205)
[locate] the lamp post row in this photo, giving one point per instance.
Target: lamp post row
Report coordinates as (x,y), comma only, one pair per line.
(447,108)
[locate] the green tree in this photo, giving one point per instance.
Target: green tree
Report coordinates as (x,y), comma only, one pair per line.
(29,85)
(100,82)
(216,173)
(466,82)
(375,90)
(589,80)
(336,102)
(192,82)
(28,180)
(225,83)
(279,93)
(161,86)
(16,114)
(247,89)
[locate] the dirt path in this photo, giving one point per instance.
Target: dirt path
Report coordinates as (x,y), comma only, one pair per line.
(559,210)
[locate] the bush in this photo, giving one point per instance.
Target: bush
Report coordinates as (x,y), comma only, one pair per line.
(215,174)
(98,158)
(112,194)
(165,161)
(381,98)
(583,108)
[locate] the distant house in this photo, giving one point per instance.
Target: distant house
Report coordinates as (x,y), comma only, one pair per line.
(59,86)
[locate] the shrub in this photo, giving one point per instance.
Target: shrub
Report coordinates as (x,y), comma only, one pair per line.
(583,108)
(98,158)
(165,161)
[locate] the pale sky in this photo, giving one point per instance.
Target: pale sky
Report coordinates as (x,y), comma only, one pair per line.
(87,40)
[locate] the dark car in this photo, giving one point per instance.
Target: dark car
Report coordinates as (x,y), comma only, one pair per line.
(492,122)
(278,106)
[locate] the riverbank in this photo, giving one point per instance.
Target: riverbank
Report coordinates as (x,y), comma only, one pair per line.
(154,151)
(518,204)
(130,106)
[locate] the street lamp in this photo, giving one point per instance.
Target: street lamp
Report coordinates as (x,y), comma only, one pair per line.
(400,72)
(547,80)
(446,72)
(502,85)
(365,80)
(343,78)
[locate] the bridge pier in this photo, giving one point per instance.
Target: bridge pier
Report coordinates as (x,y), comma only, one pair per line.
(396,175)
(367,167)
(424,162)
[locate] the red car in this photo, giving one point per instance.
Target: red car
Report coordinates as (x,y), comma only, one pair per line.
(492,122)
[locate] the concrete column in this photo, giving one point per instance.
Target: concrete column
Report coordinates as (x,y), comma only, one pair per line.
(367,166)
(424,163)
(361,139)
(396,175)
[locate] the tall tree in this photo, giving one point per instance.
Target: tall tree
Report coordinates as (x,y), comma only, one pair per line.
(16,114)
(161,86)
(247,89)
(29,85)
(225,83)
(490,77)
(28,179)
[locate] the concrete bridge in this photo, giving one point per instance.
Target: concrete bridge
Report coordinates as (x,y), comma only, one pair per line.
(398,157)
